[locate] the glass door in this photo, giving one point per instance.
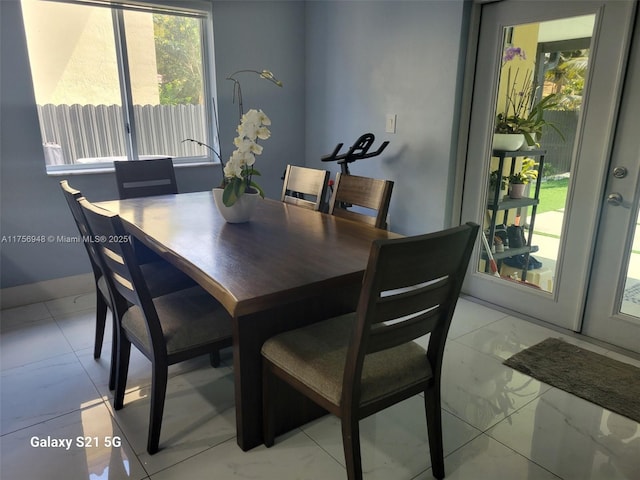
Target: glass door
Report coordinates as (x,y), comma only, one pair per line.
(553,72)
(613,300)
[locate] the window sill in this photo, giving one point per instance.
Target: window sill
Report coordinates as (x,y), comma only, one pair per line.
(74,170)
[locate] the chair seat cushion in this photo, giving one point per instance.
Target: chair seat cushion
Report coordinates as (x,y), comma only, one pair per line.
(316,356)
(208,321)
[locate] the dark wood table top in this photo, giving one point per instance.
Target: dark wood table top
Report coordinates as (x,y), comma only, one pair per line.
(284,253)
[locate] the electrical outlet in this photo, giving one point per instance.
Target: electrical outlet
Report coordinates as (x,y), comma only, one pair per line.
(391,123)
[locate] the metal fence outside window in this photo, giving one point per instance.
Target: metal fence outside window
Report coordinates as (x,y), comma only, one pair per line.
(97,131)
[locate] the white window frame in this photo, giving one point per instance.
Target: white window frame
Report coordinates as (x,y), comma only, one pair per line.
(194,8)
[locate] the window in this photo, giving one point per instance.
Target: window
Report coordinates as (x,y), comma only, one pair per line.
(120,81)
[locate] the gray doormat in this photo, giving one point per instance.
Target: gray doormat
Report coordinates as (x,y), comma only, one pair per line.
(606,382)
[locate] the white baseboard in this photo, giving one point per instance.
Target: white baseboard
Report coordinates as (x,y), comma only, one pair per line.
(48,290)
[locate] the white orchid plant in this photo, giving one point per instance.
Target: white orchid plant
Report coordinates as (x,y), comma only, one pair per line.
(239,169)
(238,172)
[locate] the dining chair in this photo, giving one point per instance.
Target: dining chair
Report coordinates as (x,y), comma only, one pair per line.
(161,276)
(144,178)
(372,194)
(360,363)
(168,329)
(301,183)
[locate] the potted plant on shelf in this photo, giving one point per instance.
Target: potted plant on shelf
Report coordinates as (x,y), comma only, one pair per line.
(522,117)
(519,180)
(496,182)
(530,127)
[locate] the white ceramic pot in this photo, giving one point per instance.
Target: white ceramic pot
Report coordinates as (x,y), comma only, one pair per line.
(239,212)
(508,141)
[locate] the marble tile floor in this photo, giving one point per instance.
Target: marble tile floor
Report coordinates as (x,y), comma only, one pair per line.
(499,424)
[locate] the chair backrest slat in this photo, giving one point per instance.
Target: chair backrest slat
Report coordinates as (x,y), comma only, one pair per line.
(355,216)
(399,305)
(301,202)
(144,178)
(119,273)
(123,282)
(300,183)
(369,193)
(385,336)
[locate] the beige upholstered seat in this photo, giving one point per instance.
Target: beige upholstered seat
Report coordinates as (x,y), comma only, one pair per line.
(301,183)
(207,321)
(357,364)
(317,356)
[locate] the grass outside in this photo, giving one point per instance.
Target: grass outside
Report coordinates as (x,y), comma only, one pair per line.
(553,195)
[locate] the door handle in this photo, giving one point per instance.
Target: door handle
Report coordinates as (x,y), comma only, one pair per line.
(615,199)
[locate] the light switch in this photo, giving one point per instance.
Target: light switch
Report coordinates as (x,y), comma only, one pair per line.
(391,123)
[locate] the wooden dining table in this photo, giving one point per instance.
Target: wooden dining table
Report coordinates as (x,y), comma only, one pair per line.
(286,268)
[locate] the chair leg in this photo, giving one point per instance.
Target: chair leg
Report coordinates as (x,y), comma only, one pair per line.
(434,427)
(101,319)
(268,424)
(214,358)
(123,348)
(158,393)
(351,445)
(114,352)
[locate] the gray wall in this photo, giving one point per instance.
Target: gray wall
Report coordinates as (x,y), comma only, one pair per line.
(368,59)
(344,66)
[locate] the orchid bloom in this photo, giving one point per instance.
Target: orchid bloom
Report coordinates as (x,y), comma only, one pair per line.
(233,169)
(513,52)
